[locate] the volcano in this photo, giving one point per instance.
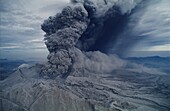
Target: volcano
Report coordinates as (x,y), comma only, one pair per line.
(81,74)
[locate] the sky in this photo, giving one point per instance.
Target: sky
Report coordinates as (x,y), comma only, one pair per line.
(153,27)
(20,27)
(21,36)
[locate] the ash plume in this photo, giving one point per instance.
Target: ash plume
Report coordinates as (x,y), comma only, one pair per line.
(62,33)
(78,35)
(108,19)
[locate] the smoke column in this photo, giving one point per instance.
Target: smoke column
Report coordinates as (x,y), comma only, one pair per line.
(78,35)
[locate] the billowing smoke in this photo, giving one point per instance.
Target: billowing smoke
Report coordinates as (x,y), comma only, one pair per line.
(108,18)
(78,35)
(62,33)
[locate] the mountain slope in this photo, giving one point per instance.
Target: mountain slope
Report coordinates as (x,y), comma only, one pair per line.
(118,91)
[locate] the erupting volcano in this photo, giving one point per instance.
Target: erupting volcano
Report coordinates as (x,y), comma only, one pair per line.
(85,70)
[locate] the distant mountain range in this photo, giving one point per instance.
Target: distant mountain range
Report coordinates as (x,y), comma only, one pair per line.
(9,66)
(161,63)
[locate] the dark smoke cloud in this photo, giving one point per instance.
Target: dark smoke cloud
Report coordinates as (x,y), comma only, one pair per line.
(108,19)
(74,36)
(62,33)
(147,29)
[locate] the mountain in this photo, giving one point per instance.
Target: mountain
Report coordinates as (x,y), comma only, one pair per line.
(7,66)
(120,90)
(161,63)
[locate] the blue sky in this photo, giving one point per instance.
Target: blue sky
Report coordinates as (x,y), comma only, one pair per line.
(21,36)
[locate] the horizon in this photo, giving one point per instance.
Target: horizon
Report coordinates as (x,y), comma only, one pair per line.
(133,55)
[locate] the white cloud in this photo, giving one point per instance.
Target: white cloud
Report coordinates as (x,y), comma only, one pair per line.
(9,47)
(153,27)
(165,47)
(35,41)
(156,19)
(18,28)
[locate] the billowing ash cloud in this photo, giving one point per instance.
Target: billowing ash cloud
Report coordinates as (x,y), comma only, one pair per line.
(74,36)
(108,19)
(62,33)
